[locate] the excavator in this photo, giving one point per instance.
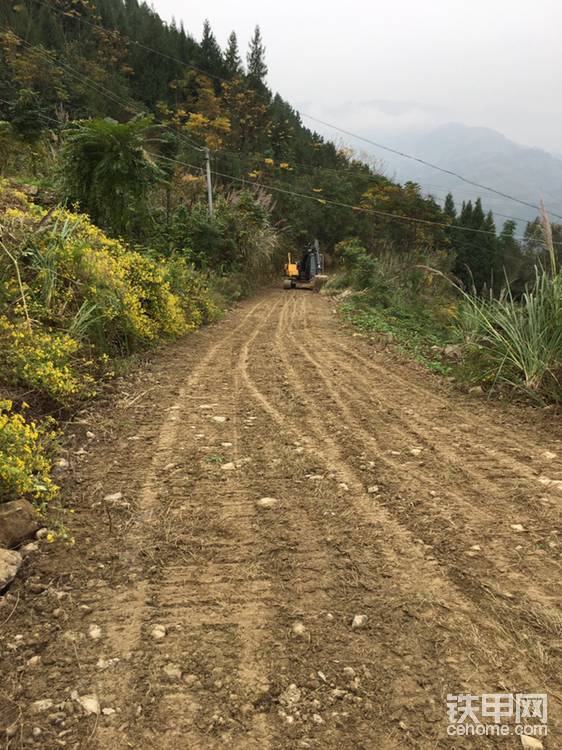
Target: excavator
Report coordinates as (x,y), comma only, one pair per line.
(308,272)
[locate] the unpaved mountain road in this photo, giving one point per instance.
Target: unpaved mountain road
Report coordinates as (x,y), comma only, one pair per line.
(204,619)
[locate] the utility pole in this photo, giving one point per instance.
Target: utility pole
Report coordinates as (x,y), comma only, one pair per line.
(209,183)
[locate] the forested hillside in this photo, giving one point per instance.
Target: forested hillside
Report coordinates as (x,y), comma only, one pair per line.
(63,61)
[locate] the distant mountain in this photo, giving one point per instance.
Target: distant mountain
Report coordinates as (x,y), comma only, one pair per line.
(484,156)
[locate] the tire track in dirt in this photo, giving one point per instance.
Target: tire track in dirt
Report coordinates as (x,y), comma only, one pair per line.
(537,594)
(208,606)
(229,579)
(427,577)
(136,605)
(470,513)
(404,386)
(493,624)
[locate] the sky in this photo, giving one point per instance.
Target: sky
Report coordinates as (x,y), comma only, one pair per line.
(383,69)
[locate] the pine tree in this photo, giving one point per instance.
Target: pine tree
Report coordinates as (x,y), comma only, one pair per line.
(211,59)
(449,207)
(478,216)
(257,69)
(232,60)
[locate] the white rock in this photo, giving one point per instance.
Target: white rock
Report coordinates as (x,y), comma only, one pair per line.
(359,621)
(90,435)
(476,547)
(230,466)
(29,549)
(33,661)
(61,463)
(317,719)
(299,629)
(290,696)
(158,632)
(106,663)
(267,502)
(373,489)
(108,711)
(173,671)
(10,563)
(531,743)
(315,477)
(38,707)
(90,703)
(343,486)
(349,671)
(416,451)
(517,527)
(226,445)
(219,419)
(113,498)
(94,631)
(549,455)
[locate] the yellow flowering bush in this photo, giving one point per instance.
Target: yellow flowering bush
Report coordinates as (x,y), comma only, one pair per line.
(44,361)
(69,294)
(24,462)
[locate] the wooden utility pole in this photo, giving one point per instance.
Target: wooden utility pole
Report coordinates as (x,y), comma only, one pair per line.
(209,183)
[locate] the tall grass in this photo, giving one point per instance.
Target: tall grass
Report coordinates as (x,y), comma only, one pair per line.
(518,342)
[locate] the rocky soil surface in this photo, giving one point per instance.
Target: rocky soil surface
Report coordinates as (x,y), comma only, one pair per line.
(286,538)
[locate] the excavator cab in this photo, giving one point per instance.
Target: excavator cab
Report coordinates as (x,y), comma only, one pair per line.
(308,272)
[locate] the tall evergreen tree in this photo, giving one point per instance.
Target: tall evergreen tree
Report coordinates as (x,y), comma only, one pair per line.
(211,59)
(232,59)
(449,207)
(257,69)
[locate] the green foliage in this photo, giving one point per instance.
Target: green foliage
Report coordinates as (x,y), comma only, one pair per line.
(70,297)
(397,298)
(517,342)
(411,330)
(24,457)
(257,68)
(107,169)
(238,238)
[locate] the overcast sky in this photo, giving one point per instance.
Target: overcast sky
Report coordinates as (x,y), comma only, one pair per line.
(381,68)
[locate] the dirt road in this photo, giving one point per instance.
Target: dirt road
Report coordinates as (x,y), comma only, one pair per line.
(279,477)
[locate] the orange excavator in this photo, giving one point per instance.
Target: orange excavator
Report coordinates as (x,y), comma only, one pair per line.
(308,272)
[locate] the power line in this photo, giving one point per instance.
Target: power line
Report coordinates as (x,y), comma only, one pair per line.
(328,201)
(381,146)
(99,88)
(104,91)
(425,163)
(316,199)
